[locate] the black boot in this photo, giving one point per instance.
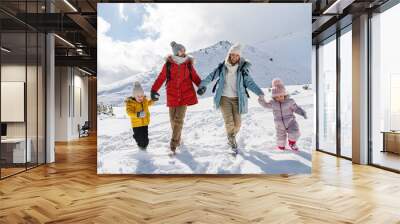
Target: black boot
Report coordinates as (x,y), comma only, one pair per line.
(232,141)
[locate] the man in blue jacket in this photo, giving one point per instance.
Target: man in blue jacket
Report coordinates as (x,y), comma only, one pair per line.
(233,80)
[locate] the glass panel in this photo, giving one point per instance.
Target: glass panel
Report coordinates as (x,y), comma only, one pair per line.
(327,96)
(41,98)
(23,87)
(385,84)
(31,97)
(32,90)
(346,93)
(13,87)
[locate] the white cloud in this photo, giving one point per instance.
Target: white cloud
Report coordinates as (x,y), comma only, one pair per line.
(115,58)
(103,26)
(195,26)
(199,25)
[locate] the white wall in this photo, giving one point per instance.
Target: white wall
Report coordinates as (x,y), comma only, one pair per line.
(70,84)
(80,118)
(62,81)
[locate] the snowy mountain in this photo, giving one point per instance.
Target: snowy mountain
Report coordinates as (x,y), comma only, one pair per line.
(289,48)
(268,61)
(115,93)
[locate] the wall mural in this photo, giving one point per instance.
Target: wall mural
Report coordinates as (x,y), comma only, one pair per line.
(204,88)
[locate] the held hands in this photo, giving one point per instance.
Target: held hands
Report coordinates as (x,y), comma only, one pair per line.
(261,100)
(201,90)
(154,96)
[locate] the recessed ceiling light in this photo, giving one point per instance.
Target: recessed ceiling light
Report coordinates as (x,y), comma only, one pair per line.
(84,71)
(338,6)
(70,5)
(5,50)
(64,40)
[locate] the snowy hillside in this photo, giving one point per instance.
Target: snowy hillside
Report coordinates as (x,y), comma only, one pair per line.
(287,47)
(115,93)
(204,147)
(265,65)
(268,61)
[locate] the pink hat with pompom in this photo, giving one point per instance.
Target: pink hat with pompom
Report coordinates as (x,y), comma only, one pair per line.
(278,89)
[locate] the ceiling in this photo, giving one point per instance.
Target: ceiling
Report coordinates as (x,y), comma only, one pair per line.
(75,22)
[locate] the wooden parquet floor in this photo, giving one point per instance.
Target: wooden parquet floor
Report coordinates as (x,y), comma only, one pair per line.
(70,191)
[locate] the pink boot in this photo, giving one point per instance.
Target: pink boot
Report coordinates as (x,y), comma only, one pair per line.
(293,145)
(280,147)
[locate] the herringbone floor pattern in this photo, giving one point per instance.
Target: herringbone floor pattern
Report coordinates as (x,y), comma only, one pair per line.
(70,191)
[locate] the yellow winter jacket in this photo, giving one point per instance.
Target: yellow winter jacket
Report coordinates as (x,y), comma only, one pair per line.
(133,107)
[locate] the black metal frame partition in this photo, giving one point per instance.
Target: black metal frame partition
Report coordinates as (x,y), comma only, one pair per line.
(338,153)
(44,100)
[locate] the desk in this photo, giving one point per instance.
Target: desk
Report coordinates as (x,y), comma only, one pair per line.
(391,141)
(15,148)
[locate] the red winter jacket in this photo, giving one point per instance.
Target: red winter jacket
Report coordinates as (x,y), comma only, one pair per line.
(180,90)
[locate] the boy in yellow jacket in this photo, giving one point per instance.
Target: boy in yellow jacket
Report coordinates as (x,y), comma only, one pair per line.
(137,108)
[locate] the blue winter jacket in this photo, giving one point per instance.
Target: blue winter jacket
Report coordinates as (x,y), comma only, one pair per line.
(242,79)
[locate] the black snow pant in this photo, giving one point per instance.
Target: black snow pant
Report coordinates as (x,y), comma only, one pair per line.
(141,136)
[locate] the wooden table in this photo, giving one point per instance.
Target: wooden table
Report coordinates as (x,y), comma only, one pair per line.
(391,141)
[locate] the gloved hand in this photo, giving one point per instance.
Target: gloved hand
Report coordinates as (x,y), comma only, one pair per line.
(154,96)
(201,90)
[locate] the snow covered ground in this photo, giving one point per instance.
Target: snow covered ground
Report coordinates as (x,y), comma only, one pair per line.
(204,149)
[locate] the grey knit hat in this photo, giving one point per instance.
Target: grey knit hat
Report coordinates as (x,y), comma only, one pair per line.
(137,89)
(176,47)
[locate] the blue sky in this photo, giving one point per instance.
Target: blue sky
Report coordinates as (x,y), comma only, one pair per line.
(124,25)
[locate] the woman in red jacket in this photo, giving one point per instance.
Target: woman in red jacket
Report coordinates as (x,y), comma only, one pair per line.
(179,74)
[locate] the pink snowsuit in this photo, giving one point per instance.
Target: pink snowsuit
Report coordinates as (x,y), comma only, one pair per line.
(285,122)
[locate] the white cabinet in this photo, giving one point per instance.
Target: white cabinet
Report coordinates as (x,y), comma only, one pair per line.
(17,145)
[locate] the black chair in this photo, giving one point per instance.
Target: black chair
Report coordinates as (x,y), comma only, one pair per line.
(84,130)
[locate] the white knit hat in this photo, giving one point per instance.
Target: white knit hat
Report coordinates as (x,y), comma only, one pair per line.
(137,89)
(278,88)
(235,49)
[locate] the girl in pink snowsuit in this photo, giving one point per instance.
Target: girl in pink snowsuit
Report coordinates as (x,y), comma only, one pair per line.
(283,109)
